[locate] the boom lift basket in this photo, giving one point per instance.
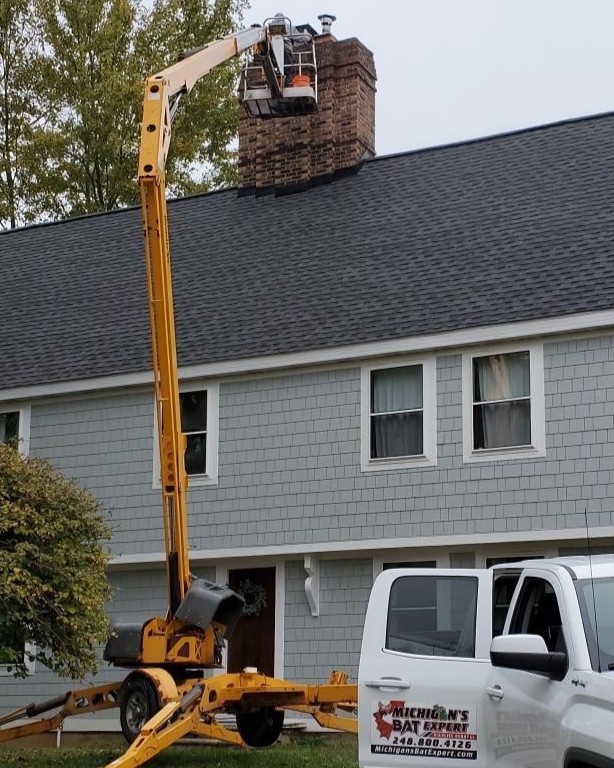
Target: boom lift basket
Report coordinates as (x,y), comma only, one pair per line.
(280,78)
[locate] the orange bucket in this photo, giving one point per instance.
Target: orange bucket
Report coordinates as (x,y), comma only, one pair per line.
(301,81)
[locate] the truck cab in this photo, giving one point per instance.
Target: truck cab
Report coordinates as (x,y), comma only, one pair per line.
(504,667)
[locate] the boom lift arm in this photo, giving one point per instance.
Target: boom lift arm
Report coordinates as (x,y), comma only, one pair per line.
(162,94)
(199,614)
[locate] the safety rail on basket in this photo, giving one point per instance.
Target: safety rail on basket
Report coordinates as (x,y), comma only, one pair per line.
(281,79)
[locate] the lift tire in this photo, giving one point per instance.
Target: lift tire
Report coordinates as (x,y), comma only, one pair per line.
(261,727)
(138,702)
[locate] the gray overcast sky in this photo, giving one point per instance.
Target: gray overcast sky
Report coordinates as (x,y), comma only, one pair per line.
(450,70)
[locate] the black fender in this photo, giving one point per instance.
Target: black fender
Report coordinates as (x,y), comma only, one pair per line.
(582,758)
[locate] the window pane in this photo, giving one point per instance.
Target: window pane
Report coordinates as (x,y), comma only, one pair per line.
(196,455)
(597,607)
(9,427)
(433,615)
(395,435)
(193,411)
(537,613)
(502,425)
(501,377)
(396,389)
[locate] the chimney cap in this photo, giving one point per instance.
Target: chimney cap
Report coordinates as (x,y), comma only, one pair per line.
(327,22)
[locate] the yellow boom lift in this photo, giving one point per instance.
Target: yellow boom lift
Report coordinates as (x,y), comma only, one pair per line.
(166,695)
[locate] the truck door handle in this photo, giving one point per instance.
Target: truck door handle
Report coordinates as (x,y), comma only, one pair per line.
(388,682)
(495,692)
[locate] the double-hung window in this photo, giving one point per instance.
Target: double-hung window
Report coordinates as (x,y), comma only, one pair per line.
(504,403)
(398,406)
(194,426)
(15,427)
(7,669)
(9,427)
(199,424)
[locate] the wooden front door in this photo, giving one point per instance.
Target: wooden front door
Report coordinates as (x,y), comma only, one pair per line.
(252,644)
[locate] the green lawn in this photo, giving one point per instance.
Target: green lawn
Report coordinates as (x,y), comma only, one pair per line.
(304,752)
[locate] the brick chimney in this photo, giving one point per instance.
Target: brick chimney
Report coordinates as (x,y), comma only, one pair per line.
(291,153)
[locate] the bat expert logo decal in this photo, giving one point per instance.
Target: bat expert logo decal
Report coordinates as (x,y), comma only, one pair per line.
(402,728)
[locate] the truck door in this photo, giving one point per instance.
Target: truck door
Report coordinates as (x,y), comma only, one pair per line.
(424,667)
(524,721)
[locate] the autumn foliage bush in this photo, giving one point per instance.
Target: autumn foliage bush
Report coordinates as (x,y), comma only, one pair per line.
(53,558)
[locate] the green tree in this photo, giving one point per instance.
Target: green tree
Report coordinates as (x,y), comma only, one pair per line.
(53,585)
(200,156)
(97,57)
(22,111)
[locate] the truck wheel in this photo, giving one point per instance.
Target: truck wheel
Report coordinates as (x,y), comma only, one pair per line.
(138,702)
(260,728)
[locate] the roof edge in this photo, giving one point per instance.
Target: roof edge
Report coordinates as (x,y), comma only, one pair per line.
(350,171)
(491,136)
(593,322)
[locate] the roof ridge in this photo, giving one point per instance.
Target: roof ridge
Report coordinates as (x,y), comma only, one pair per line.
(125,209)
(491,136)
(376,159)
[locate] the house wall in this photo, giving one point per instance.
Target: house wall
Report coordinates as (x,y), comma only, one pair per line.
(289,474)
(291,445)
(315,645)
(289,461)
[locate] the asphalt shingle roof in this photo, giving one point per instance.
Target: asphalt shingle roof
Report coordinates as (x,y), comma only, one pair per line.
(509,228)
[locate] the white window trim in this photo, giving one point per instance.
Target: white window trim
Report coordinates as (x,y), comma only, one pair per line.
(429,420)
(213,421)
(25,413)
(537,449)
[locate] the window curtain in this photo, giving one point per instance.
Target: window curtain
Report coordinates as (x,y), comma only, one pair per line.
(502,378)
(394,432)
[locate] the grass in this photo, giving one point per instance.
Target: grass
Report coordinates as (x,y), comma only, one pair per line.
(302,752)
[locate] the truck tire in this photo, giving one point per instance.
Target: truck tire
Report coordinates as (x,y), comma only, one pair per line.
(138,702)
(261,727)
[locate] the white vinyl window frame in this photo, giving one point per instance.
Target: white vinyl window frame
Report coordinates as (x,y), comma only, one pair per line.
(210,476)
(428,458)
(23,436)
(537,448)
(23,430)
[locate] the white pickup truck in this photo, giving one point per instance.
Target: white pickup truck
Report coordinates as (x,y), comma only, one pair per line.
(512,666)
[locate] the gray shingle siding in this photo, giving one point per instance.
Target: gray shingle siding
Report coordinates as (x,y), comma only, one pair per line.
(289,461)
(315,645)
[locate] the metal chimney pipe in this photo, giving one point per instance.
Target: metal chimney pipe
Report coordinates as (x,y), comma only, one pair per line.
(327,22)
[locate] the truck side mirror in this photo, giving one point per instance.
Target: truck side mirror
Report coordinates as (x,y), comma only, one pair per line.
(529,654)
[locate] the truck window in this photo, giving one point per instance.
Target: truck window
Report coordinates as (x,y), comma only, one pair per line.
(502,593)
(433,615)
(596,598)
(537,613)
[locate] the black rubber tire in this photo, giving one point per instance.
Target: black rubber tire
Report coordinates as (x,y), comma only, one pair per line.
(138,702)
(261,727)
